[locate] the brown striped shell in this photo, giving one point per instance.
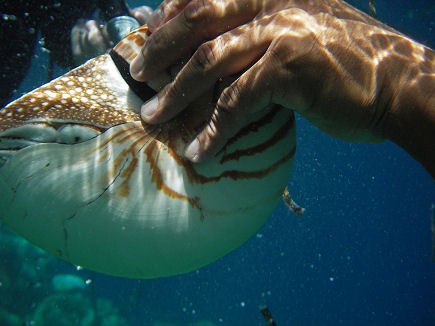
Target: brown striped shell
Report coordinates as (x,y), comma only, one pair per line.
(83,178)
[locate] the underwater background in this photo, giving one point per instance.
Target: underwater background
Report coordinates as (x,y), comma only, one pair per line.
(361,254)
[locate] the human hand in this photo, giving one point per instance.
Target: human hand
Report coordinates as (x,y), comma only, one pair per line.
(88,39)
(141,14)
(339,68)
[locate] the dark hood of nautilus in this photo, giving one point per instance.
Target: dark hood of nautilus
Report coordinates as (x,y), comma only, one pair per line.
(34,110)
(140,89)
(48,107)
(124,201)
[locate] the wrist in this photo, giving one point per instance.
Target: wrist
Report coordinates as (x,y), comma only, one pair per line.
(410,120)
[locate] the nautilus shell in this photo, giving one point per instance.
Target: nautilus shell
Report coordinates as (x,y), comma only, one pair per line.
(82,177)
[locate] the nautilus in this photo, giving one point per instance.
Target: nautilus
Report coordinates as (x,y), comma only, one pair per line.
(82,177)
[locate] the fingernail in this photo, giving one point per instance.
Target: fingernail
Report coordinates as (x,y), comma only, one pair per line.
(136,66)
(191,152)
(149,108)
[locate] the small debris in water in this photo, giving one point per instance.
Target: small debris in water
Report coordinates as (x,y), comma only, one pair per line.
(372,8)
(267,316)
(295,208)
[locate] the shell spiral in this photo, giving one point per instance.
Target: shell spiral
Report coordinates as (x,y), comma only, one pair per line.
(83,178)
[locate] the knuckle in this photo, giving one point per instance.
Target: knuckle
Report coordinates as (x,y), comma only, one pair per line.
(173,92)
(226,119)
(228,113)
(154,48)
(198,12)
(229,99)
(275,55)
(282,53)
(210,139)
(279,19)
(155,42)
(205,58)
(212,129)
(219,125)
(296,41)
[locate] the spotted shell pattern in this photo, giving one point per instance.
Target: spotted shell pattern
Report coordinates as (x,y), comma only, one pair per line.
(82,177)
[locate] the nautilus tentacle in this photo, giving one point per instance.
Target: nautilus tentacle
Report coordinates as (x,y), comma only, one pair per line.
(83,178)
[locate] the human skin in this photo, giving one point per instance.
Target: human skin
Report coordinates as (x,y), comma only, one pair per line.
(89,40)
(351,76)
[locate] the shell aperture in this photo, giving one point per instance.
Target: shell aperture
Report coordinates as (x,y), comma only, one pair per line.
(82,177)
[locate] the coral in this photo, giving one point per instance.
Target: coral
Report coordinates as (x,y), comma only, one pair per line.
(24,273)
(67,282)
(29,288)
(64,309)
(70,308)
(9,319)
(108,315)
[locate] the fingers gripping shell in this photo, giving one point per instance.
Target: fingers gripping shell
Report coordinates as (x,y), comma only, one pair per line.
(122,200)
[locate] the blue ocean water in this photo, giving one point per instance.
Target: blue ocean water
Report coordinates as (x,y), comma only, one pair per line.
(361,254)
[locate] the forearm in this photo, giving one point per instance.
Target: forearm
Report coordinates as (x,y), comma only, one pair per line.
(353,77)
(411,121)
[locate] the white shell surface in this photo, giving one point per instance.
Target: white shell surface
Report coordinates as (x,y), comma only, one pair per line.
(125,202)
(86,203)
